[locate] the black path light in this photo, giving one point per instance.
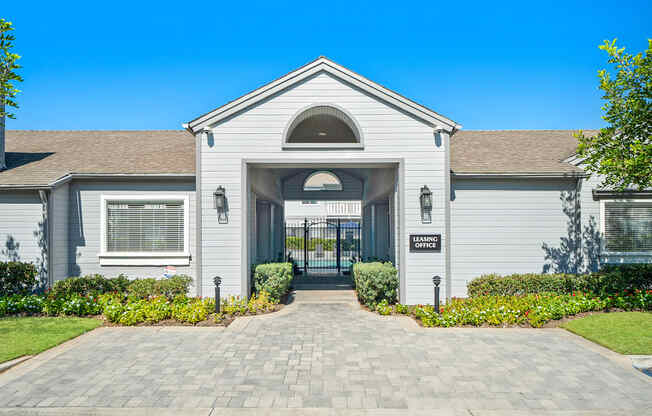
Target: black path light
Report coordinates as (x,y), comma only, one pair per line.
(217,280)
(436,280)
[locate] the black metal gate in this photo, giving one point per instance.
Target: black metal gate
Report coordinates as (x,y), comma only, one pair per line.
(323,245)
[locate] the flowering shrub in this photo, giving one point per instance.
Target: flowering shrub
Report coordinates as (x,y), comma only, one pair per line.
(258,303)
(132,310)
(192,310)
(533,309)
(12,305)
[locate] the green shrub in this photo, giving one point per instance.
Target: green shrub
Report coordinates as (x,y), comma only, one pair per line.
(615,278)
(521,284)
(273,278)
(171,287)
(157,309)
(18,304)
(375,282)
(95,284)
(192,310)
(611,279)
(533,309)
(17,278)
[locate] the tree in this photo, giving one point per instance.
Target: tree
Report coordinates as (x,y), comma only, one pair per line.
(8,78)
(622,151)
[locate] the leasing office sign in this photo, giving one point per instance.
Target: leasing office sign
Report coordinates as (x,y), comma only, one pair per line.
(425,242)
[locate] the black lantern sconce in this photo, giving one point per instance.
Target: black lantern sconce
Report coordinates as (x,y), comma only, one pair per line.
(220,204)
(426,205)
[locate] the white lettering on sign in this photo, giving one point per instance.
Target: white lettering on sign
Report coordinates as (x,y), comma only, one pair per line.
(431,242)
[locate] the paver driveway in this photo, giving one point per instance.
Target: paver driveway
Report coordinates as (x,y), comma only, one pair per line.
(327,356)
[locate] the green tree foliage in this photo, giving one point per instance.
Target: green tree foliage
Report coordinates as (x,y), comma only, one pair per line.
(622,151)
(8,67)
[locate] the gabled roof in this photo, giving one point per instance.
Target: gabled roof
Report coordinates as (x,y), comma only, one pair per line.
(537,152)
(322,64)
(39,158)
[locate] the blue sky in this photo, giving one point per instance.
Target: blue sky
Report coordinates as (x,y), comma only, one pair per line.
(139,65)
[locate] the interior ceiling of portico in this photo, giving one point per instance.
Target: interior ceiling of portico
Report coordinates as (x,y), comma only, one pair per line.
(360,173)
(365,174)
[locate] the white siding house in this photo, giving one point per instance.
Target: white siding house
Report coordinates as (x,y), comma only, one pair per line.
(211,200)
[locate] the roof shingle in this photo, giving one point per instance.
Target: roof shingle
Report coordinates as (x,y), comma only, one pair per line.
(513,151)
(40,157)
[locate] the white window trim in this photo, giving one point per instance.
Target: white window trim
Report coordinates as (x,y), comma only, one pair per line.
(603,228)
(131,258)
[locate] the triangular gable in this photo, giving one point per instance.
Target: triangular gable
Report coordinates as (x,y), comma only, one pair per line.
(322,64)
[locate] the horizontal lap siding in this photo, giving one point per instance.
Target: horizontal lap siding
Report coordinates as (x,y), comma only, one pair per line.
(257,133)
(500,226)
(85,227)
(20,215)
(59,218)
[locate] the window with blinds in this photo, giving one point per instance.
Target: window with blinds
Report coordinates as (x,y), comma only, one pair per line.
(145,226)
(628,226)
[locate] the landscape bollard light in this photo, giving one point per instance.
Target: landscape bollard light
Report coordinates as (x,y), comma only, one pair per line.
(217,280)
(436,280)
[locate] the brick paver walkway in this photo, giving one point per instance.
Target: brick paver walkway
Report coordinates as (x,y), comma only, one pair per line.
(327,356)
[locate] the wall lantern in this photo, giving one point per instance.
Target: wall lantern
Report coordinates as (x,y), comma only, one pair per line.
(426,205)
(220,204)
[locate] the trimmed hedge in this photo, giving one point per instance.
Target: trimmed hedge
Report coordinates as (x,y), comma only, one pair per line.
(376,282)
(610,280)
(171,287)
(17,278)
(98,285)
(94,284)
(273,278)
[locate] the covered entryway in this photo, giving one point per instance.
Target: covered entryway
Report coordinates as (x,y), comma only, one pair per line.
(324,247)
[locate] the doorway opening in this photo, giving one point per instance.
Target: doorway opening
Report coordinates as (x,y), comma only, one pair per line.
(323,236)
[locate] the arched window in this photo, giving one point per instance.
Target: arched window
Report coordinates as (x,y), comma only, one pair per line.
(323,125)
(322,180)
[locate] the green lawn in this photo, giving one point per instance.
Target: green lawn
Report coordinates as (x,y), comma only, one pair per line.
(28,336)
(623,332)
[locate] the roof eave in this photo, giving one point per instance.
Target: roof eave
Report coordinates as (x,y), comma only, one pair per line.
(507,175)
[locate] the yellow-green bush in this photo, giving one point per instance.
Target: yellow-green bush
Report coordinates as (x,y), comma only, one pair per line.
(273,278)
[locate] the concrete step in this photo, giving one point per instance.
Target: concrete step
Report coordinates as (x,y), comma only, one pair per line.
(322,296)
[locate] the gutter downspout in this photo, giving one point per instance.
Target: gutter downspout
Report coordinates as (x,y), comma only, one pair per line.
(46,227)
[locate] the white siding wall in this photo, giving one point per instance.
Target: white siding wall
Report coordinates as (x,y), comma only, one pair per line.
(59,225)
(381,239)
(85,214)
(500,226)
(21,216)
(256,133)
